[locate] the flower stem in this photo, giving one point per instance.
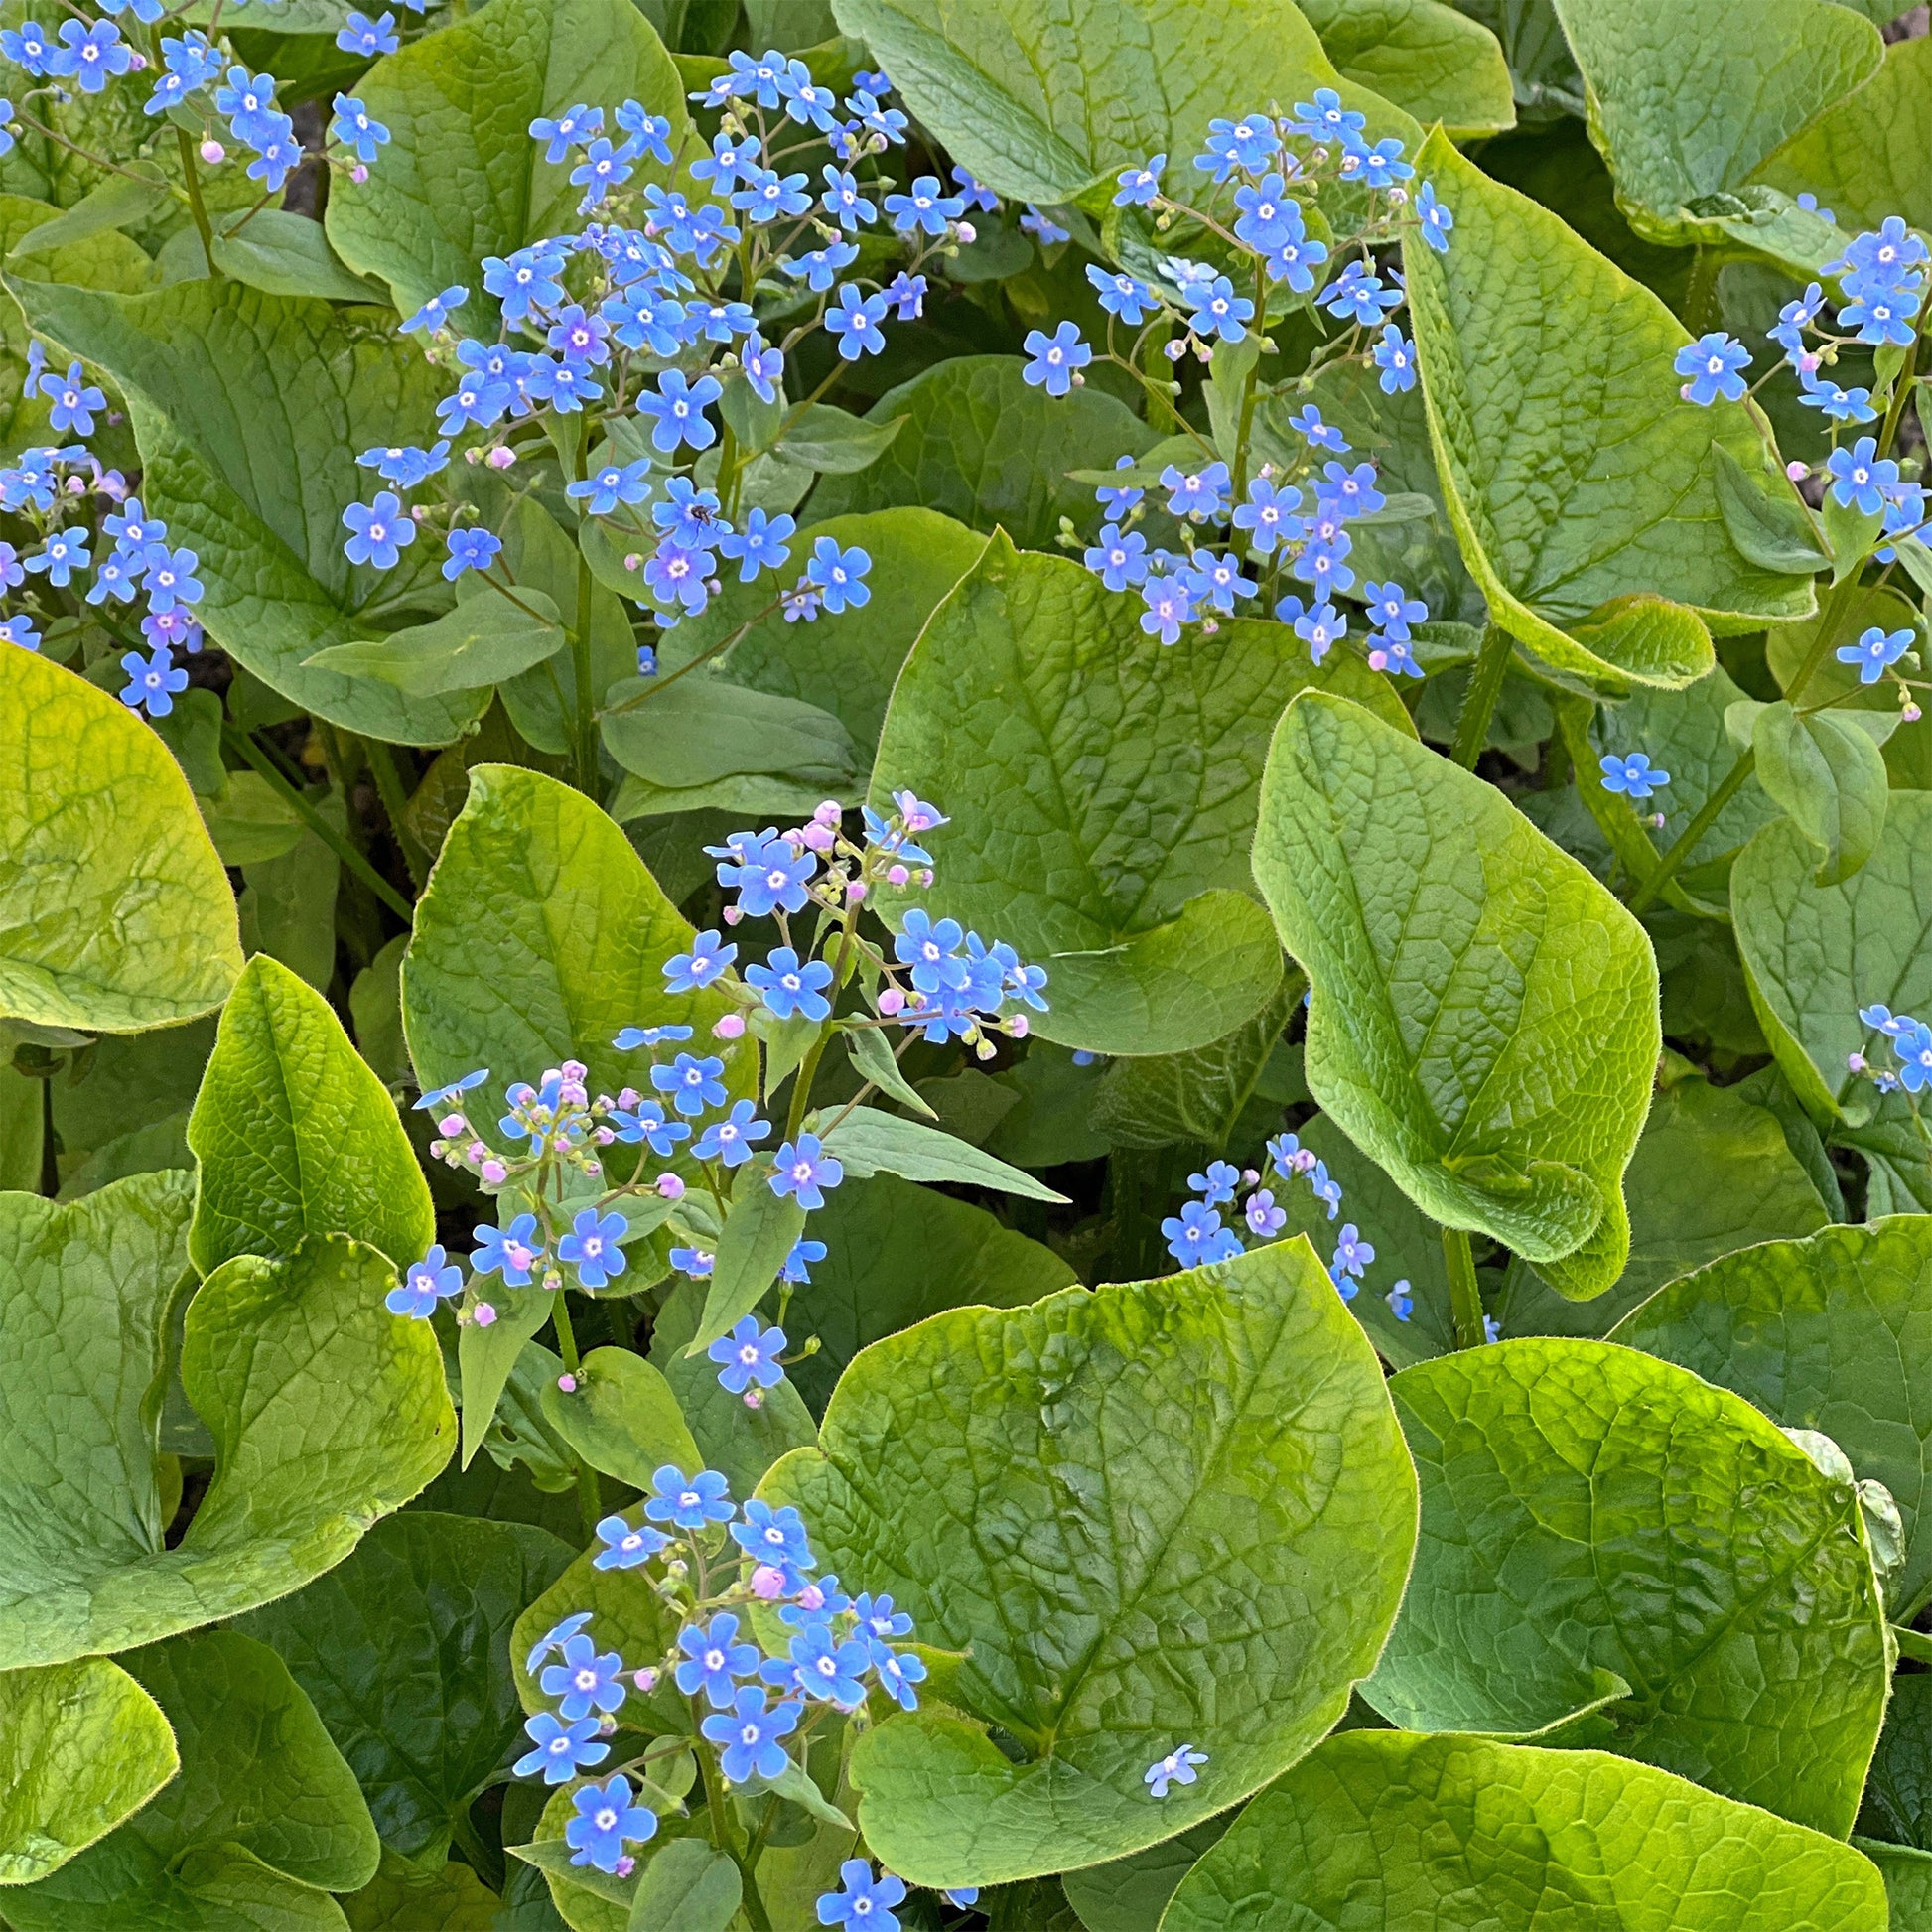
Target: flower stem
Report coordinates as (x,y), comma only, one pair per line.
(1466,1296)
(1687,840)
(1485,688)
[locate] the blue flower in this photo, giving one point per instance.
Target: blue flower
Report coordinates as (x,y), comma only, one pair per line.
(747,1354)
(1392,609)
(74,401)
(1359,296)
(839,576)
(1401,1300)
(732,1138)
(1632,776)
(1325,1189)
(1914,1050)
(602,168)
(592,1247)
(707,960)
(676,410)
(764,367)
(1353,1254)
(1137,187)
(824,1668)
(1875,652)
(1395,356)
(1125,296)
(864,1903)
(749,1736)
(878,1617)
(1326,118)
(776,1537)
(614,484)
(630,1039)
(692,1083)
(1055,359)
(761,546)
(380,531)
(1437,220)
(27,47)
(788,988)
(152,681)
(1319,629)
(1380,166)
(1712,362)
(1879,315)
(693,1262)
(843,201)
(767,195)
(1263,1217)
(1200,494)
(355,130)
(1862,480)
(1269,216)
(404,464)
(554,1639)
(926,206)
(797,1264)
(1218,311)
(1178,1767)
(369,37)
(1840,405)
(91,54)
(1351,492)
(897,1671)
(1169,602)
(276,162)
(473,549)
(64,552)
(605,1821)
(688,1502)
(1042,227)
(713,1660)
(438,1098)
(170,576)
(424,1285)
(1116,502)
(803,1167)
(1118,561)
(560,1749)
(645,1122)
(19,629)
(1197,1235)
(1217,1185)
(626,1547)
(1268,513)
(435,313)
(854,320)
(514,1250)
(584,1681)
(1316,433)
(1218,580)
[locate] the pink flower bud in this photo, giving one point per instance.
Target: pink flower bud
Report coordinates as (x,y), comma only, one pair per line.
(1378,660)
(1855,1062)
(359,175)
(485,1315)
(733,913)
(896,875)
(451,1125)
(593,1169)
(855,891)
(494,1172)
(646,1680)
(626,1864)
(754,1398)
(967,233)
(1797,471)
(925,877)
(438,1149)
(567,1382)
(768,1582)
(818,837)
(476,1151)
(670,1188)
(828,812)
(1018,1025)
(634,560)
(892,1000)
(137,62)
(213,153)
(628,1098)
(1911,714)
(501,457)
(730,1025)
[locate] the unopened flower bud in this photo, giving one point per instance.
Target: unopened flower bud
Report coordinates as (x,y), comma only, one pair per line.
(985,1048)
(828,812)
(359,175)
(501,457)
(1911,714)
(494,1171)
(896,875)
(213,153)
(730,1025)
(646,1680)
(485,1315)
(892,1000)
(476,1151)
(754,1398)
(1018,1025)
(1796,471)
(925,877)
(733,913)
(567,1382)
(670,1188)
(451,1125)
(1855,1062)
(966,233)
(626,1864)
(768,1582)
(634,560)
(855,891)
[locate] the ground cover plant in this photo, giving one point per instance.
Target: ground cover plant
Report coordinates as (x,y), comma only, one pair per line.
(965,966)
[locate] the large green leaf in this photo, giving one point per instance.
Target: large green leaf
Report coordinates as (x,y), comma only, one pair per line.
(541,934)
(1831,1334)
(401,1897)
(326,1411)
(1908,1884)
(896,1253)
(1542,74)
(1102,794)
(853,658)
(1814,955)
(1426,57)
(249,410)
(461,178)
(983,449)
(1037,104)
(296,1136)
(1898,1793)
(405,1649)
(1174,1511)
(1571,1492)
(1869,155)
(1577,477)
(114,911)
(1685,106)
(1484,1014)
(1381,1829)
(264,1820)
(81,1745)
(1712,1173)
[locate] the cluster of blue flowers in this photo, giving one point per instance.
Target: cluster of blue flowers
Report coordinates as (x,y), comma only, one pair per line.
(1911,1044)
(1248,536)
(755,1698)
(91,528)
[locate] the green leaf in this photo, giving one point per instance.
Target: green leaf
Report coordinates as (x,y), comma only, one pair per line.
(540,935)
(1865,156)
(81,1745)
(1036,105)
(703,728)
(1908,1883)
(486,639)
(1102,794)
(622,1417)
(760,1229)
(1482,1019)
(325,1413)
(461,178)
(485,1356)
(871,1142)
(1823,1334)
(286,255)
(1772,531)
(263,1820)
(1541,360)
(895,1254)
(295,1135)
(115,912)
(1129,1895)
(1825,768)
(979,445)
(253,824)
(249,410)
(1683,107)
(405,1650)
(1814,955)
(688,1887)
(1712,1173)
(871,1060)
(1851,534)
(1426,57)
(1567,1489)
(1382,1829)
(918,556)
(834,442)
(1171,1486)
(1898,1793)
(401,1898)
(118,203)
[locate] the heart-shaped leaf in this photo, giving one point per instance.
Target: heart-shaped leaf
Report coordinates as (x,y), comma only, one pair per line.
(1430,60)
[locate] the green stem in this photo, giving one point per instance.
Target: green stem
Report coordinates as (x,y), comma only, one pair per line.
(395,801)
(590,1495)
(191,180)
(1466,1296)
(580,657)
(1485,688)
(1687,840)
(1700,292)
(470,1842)
(243,742)
(1901,388)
